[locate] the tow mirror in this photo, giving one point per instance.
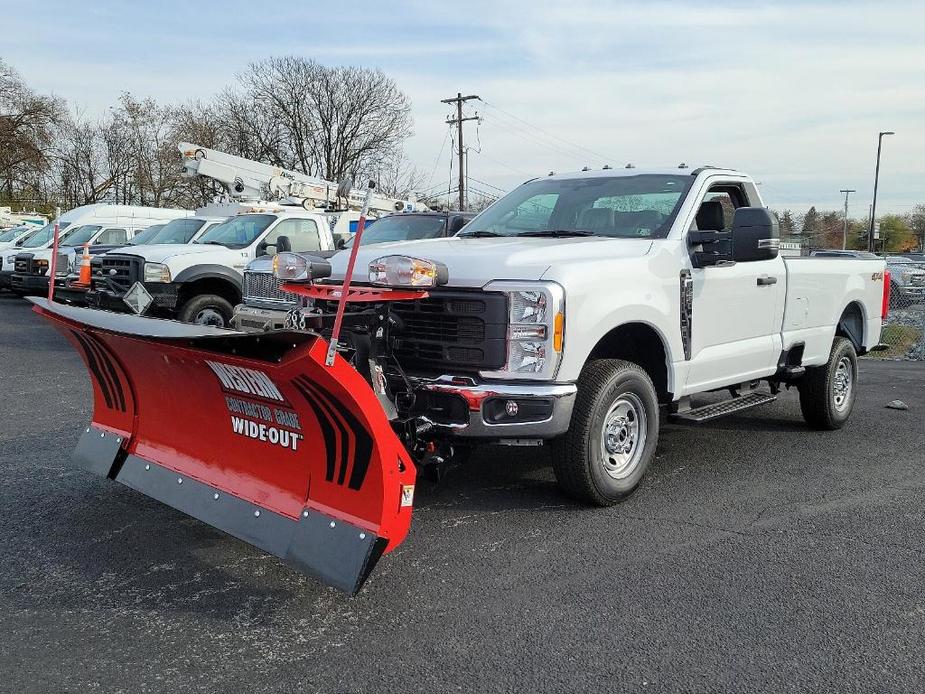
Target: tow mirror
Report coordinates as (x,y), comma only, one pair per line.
(283,244)
(340,244)
(755,234)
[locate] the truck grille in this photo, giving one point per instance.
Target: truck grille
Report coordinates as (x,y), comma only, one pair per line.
(117,273)
(264,288)
(917,280)
(23,264)
(463,330)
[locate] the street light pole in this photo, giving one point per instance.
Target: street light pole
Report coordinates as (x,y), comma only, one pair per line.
(844,238)
(873,208)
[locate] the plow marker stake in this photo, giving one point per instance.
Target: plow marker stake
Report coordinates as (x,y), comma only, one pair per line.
(286,453)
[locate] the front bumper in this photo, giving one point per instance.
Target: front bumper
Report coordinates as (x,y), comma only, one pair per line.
(28,283)
(461,407)
(164,294)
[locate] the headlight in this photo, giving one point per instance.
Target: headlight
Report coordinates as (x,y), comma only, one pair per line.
(292,267)
(404,271)
(42,265)
(536,327)
(157,272)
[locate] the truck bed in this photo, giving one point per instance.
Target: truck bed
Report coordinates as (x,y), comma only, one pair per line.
(819,290)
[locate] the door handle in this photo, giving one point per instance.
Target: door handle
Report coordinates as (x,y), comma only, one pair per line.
(766,280)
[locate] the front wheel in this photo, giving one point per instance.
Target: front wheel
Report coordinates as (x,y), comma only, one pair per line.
(612,436)
(207,309)
(827,393)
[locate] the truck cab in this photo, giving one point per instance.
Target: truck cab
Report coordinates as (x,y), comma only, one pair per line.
(201,282)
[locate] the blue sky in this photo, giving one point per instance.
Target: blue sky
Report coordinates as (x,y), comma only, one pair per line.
(792,92)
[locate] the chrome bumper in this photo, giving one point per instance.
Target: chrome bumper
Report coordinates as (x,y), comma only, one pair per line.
(477,395)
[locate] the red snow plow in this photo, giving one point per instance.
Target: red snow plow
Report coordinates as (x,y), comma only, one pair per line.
(290,440)
(254,435)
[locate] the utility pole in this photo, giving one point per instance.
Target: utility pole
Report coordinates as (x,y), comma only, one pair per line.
(459,100)
(844,238)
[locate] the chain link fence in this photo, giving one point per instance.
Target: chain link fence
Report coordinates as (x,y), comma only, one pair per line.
(904,330)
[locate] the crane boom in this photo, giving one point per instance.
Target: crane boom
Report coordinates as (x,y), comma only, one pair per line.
(245,180)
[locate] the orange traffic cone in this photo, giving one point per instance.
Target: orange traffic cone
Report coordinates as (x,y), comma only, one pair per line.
(85,266)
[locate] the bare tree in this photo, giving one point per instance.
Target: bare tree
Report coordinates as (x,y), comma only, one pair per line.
(27,125)
(324,121)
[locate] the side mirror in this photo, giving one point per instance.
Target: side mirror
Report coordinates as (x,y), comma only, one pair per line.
(455,226)
(340,244)
(710,248)
(755,234)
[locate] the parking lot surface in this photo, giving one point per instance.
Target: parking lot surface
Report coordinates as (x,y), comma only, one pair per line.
(756,556)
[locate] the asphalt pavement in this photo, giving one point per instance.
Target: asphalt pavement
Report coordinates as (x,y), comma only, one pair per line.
(757,556)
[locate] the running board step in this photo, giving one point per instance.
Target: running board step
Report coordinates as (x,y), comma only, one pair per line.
(726,407)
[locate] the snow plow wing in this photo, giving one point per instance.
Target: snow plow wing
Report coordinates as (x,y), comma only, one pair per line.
(249,433)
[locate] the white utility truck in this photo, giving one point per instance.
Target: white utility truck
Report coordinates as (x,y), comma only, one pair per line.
(94,224)
(202,282)
(577,305)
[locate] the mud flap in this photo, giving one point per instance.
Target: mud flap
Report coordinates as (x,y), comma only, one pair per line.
(250,433)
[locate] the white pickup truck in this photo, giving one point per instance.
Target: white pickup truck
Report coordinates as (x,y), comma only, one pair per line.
(578,304)
(201,282)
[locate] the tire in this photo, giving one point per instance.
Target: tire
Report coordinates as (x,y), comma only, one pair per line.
(590,461)
(824,400)
(207,309)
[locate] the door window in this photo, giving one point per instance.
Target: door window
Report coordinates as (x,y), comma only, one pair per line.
(112,236)
(303,235)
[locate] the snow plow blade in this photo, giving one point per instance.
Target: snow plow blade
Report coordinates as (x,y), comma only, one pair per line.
(249,433)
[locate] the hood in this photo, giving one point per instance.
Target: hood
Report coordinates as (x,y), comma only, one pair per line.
(161,253)
(472,262)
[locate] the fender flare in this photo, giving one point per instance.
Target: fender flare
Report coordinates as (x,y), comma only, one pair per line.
(201,272)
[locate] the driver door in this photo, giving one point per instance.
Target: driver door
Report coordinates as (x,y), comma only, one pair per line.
(737,308)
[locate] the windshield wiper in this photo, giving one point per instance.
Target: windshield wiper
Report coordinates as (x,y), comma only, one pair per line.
(557,233)
(214,243)
(478,234)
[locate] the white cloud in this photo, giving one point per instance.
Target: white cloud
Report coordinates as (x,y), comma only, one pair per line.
(793,92)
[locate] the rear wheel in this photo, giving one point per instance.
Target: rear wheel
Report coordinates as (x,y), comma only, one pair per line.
(207,309)
(827,393)
(612,436)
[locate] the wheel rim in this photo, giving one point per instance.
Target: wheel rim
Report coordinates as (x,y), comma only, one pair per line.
(209,316)
(623,436)
(842,384)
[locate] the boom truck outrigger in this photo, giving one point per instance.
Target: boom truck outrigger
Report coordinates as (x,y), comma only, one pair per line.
(572,312)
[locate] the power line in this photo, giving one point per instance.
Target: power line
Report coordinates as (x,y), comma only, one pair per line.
(605,159)
(433,171)
(501,190)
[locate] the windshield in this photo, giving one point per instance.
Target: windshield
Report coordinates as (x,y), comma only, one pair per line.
(81,235)
(638,206)
(45,234)
(11,234)
(400,227)
(178,231)
(238,232)
(144,236)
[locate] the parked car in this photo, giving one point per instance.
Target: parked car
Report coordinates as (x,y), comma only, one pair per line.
(907,281)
